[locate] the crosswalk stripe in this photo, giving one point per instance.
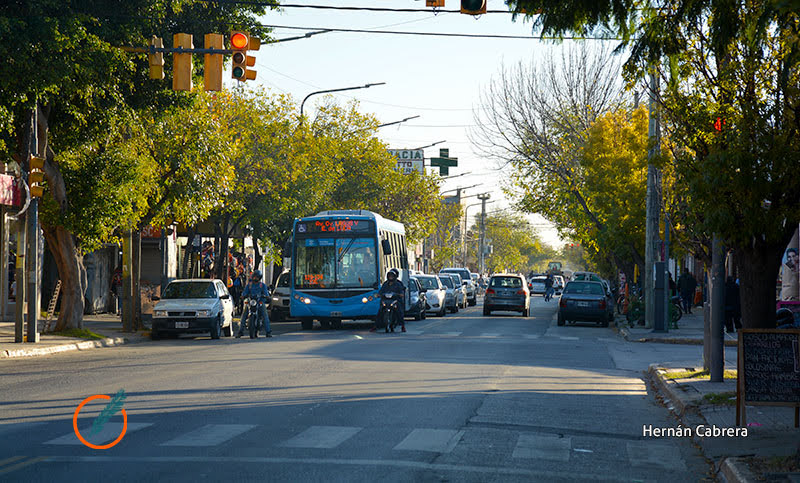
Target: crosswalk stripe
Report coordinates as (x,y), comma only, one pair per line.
(109,433)
(543,446)
(452,334)
(432,440)
(530,336)
(209,435)
(322,437)
(490,334)
(569,338)
(22,464)
(415,332)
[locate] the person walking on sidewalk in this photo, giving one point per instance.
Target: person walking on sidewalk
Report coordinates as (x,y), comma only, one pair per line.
(687,284)
(733,306)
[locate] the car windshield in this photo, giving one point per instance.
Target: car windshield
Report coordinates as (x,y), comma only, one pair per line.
(190,290)
(283,280)
(584,288)
(447,281)
(428,283)
(506,282)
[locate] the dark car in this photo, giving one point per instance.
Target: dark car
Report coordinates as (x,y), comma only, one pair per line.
(507,292)
(419,302)
(585,300)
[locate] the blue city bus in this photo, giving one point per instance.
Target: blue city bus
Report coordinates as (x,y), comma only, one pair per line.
(339,260)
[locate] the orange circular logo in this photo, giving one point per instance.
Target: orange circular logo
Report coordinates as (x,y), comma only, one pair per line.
(78,433)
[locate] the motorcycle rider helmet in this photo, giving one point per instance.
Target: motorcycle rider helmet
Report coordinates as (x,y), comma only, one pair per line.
(784,316)
(393,274)
(256,275)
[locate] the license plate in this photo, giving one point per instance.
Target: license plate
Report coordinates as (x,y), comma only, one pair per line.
(336,314)
(181,325)
(582,304)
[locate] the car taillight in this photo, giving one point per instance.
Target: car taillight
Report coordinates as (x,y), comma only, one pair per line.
(520,292)
(489,291)
(603,304)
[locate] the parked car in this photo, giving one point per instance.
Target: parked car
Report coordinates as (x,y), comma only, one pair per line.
(452,297)
(281,296)
(435,293)
(192,306)
(507,291)
(419,300)
(558,283)
(585,300)
(466,280)
(461,289)
(536,285)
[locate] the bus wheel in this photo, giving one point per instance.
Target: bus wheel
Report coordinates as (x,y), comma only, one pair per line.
(307,324)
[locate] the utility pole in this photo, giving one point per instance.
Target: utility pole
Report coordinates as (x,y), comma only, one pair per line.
(483,197)
(717,309)
(32,263)
(127,283)
(653,204)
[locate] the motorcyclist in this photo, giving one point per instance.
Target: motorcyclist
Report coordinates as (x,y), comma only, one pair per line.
(548,287)
(395,286)
(258,290)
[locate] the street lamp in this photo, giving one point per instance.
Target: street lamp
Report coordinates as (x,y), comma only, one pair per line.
(466,218)
(326,91)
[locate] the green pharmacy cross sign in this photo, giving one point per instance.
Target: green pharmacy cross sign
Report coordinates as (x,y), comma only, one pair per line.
(444,162)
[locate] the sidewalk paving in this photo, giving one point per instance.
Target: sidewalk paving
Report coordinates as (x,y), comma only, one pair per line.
(770,430)
(107,325)
(689,331)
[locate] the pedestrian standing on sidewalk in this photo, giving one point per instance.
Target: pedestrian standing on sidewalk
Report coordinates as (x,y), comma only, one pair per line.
(733,307)
(687,285)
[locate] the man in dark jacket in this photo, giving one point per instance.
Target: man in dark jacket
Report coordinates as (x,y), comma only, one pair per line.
(394,285)
(733,307)
(687,285)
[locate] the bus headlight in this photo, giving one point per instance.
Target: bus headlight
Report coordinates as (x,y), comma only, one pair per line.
(364,300)
(306,300)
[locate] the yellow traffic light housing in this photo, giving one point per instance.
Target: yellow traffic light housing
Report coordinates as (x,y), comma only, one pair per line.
(473,7)
(182,63)
(156,59)
(241,43)
(36,176)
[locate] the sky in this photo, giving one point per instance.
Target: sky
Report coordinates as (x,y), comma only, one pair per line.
(437,78)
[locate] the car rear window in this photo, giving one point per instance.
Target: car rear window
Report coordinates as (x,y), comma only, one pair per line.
(506,282)
(538,279)
(584,288)
(428,283)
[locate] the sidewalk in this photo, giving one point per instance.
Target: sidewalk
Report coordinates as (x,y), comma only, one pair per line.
(109,326)
(689,331)
(771,441)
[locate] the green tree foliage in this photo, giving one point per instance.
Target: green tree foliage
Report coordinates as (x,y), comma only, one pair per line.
(443,243)
(515,246)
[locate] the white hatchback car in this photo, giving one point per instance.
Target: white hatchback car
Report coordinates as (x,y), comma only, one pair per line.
(191,306)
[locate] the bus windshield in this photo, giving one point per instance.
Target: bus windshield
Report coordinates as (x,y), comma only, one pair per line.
(336,263)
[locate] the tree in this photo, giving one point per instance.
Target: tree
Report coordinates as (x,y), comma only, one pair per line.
(87,90)
(513,243)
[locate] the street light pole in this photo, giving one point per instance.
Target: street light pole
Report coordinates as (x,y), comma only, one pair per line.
(483,198)
(466,219)
(326,91)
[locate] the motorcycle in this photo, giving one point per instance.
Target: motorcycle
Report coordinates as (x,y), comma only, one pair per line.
(253,322)
(390,311)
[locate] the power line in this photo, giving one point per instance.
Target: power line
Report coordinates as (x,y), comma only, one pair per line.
(441,34)
(349,8)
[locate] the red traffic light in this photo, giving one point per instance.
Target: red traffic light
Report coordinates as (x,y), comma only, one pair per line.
(239,40)
(719,123)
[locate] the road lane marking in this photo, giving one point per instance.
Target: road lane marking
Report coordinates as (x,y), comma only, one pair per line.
(110,432)
(649,454)
(530,336)
(22,464)
(209,435)
(322,437)
(568,338)
(490,334)
(11,460)
(415,332)
(543,446)
(452,334)
(433,440)
(404,464)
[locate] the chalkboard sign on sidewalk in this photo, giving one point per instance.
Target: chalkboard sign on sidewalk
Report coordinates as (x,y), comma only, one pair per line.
(768,370)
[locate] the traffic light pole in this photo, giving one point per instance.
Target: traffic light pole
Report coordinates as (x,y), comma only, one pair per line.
(483,197)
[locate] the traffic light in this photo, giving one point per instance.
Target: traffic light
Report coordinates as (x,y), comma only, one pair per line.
(36,176)
(473,7)
(719,124)
(156,59)
(212,69)
(241,42)
(182,63)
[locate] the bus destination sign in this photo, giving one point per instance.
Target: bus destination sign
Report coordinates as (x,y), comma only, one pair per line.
(335,226)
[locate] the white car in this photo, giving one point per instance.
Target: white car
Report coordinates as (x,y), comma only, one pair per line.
(191,306)
(454,296)
(436,293)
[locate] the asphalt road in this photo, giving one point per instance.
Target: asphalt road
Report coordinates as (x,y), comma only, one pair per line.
(459,398)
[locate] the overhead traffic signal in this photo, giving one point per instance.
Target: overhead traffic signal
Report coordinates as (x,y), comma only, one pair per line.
(241,43)
(473,7)
(182,63)
(36,176)
(212,69)
(156,59)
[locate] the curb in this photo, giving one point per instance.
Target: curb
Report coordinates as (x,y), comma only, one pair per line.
(735,470)
(624,331)
(656,372)
(85,345)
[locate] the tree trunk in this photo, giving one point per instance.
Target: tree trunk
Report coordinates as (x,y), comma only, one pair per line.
(72,273)
(222,259)
(257,259)
(758,271)
(136,278)
(187,254)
